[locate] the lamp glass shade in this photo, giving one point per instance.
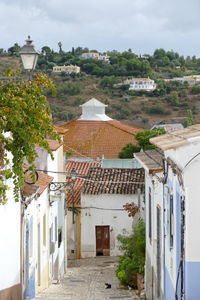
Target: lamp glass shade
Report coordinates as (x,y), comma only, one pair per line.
(29,61)
(29,55)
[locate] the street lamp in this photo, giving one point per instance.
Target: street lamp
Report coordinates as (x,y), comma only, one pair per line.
(29,56)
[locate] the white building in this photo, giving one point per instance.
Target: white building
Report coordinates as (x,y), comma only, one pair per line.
(44,224)
(138,84)
(67,69)
(152,162)
(10,252)
(191,80)
(94,110)
(95,55)
(172,217)
(103,217)
(10,236)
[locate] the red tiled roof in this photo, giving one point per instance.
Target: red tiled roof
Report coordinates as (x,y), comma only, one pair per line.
(39,186)
(82,168)
(60,130)
(54,145)
(43,181)
(97,138)
(113,181)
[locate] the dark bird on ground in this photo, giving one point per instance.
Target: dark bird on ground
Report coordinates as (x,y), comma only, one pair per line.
(107,285)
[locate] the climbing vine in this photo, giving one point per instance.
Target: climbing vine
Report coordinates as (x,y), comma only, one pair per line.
(25,121)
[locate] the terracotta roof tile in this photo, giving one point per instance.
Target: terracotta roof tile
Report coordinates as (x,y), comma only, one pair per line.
(39,186)
(54,145)
(176,138)
(60,130)
(151,159)
(82,168)
(113,181)
(43,181)
(95,139)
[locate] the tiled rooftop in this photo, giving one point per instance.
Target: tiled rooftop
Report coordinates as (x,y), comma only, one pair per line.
(97,138)
(81,168)
(151,159)
(39,186)
(177,138)
(113,181)
(54,145)
(60,130)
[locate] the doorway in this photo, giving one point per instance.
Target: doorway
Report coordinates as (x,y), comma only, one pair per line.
(102,240)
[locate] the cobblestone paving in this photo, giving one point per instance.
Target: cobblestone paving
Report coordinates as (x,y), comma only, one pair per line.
(85,280)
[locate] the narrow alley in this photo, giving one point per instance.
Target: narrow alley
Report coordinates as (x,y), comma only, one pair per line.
(85,280)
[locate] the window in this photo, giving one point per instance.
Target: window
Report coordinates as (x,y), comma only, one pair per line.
(59,237)
(171,222)
(150,218)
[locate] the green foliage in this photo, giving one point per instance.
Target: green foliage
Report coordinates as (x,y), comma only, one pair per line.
(133,259)
(173,99)
(69,88)
(25,113)
(144,136)
(157,110)
(190,119)
(128,150)
(195,89)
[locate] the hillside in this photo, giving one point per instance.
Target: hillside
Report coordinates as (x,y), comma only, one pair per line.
(142,109)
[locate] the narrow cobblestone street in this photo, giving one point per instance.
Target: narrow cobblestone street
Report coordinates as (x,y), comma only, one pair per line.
(85,280)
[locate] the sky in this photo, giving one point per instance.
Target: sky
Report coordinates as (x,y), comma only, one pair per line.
(142,25)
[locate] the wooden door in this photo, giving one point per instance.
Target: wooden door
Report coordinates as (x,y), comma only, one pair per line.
(102,240)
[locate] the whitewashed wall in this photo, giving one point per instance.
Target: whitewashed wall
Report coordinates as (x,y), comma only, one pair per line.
(191,191)
(109,215)
(10,241)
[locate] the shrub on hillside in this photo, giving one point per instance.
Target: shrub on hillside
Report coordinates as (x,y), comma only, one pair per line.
(157,110)
(195,89)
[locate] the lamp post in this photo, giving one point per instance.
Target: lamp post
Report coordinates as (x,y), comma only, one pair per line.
(29,58)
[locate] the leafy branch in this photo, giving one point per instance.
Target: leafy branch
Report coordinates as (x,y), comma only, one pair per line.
(25,122)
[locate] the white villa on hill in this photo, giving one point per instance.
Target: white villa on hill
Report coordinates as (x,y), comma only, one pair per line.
(138,84)
(95,55)
(67,69)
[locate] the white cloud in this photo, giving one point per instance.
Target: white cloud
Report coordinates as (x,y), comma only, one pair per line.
(142,25)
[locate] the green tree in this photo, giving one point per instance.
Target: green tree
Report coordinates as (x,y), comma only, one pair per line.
(46,50)
(128,150)
(144,136)
(60,47)
(190,119)
(14,49)
(25,113)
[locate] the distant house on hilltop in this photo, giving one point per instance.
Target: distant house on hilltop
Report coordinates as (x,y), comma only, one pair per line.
(169,127)
(138,84)
(67,69)
(191,80)
(95,135)
(95,55)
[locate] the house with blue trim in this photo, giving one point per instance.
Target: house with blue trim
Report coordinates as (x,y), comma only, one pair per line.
(172,215)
